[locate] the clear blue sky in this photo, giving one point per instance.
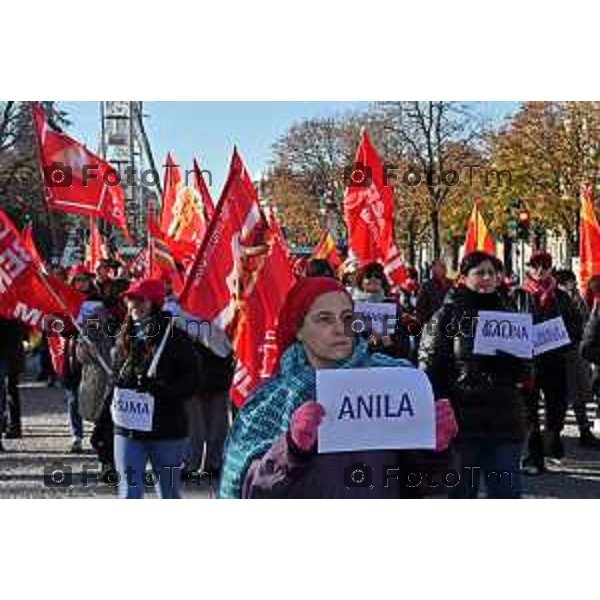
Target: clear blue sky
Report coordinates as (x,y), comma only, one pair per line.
(209,130)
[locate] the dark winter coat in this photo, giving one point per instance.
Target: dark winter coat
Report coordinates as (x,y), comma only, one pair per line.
(176,380)
(485,391)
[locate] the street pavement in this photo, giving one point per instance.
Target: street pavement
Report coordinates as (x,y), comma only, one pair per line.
(46,442)
(45,445)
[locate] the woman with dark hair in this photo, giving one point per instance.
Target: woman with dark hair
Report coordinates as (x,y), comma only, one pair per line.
(540,296)
(372,285)
(156,372)
(485,391)
(271,450)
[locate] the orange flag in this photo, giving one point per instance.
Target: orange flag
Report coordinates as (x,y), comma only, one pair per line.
(326,249)
(589,238)
(96,248)
(478,235)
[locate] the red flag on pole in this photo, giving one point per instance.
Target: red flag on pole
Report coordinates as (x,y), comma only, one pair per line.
(201,187)
(369,213)
(76,180)
(30,246)
(25,293)
(478,236)
(589,238)
(212,286)
(183,216)
(269,278)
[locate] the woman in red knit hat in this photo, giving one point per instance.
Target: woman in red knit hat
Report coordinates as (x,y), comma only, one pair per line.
(271,448)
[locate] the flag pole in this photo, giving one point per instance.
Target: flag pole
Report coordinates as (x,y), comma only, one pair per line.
(80,331)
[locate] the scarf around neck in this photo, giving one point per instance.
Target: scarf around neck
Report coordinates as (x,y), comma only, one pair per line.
(266,414)
(542,291)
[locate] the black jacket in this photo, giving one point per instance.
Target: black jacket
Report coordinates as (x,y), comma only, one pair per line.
(485,391)
(177,378)
(431,297)
(12,334)
(590,344)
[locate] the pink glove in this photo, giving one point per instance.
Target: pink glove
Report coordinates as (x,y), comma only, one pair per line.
(445,424)
(304,425)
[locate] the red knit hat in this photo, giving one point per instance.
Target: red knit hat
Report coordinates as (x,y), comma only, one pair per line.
(147,289)
(298,302)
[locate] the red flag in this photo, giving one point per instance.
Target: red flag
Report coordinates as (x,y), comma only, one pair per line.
(478,236)
(201,187)
(589,238)
(181,251)
(162,266)
(25,294)
(71,299)
(269,279)
(369,213)
(212,286)
(66,293)
(172,182)
(30,245)
(326,250)
(77,181)
(182,216)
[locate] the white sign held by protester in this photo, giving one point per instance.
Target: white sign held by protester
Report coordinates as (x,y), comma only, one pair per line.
(549,335)
(375,409)
(132,410)
(505,331)
(382,314)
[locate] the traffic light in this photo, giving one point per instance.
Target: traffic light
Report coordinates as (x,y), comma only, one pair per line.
(523,224)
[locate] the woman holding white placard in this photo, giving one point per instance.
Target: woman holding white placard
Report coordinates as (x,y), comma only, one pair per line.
(485,391)
(540,296)
(271,451)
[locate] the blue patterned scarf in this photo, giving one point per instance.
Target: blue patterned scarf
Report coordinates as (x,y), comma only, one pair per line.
(266,414)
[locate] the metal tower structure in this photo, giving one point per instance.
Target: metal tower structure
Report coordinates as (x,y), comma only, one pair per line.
(125,146)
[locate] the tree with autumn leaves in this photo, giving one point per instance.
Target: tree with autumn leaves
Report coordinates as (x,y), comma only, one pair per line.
(538,157)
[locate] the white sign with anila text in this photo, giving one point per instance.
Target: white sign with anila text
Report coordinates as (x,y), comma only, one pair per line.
(375,409)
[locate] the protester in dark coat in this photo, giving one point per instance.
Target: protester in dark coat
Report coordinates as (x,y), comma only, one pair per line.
(11,364)
(82,282)
(271,449)
(485,391)
(432,293)
(579,370)
(372,285)
(540,297)
(590,343)
(149,333)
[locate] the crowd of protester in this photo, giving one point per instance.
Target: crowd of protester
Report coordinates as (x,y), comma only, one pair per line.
(487,409)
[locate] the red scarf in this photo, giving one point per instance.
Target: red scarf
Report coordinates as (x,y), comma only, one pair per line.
(542,291)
